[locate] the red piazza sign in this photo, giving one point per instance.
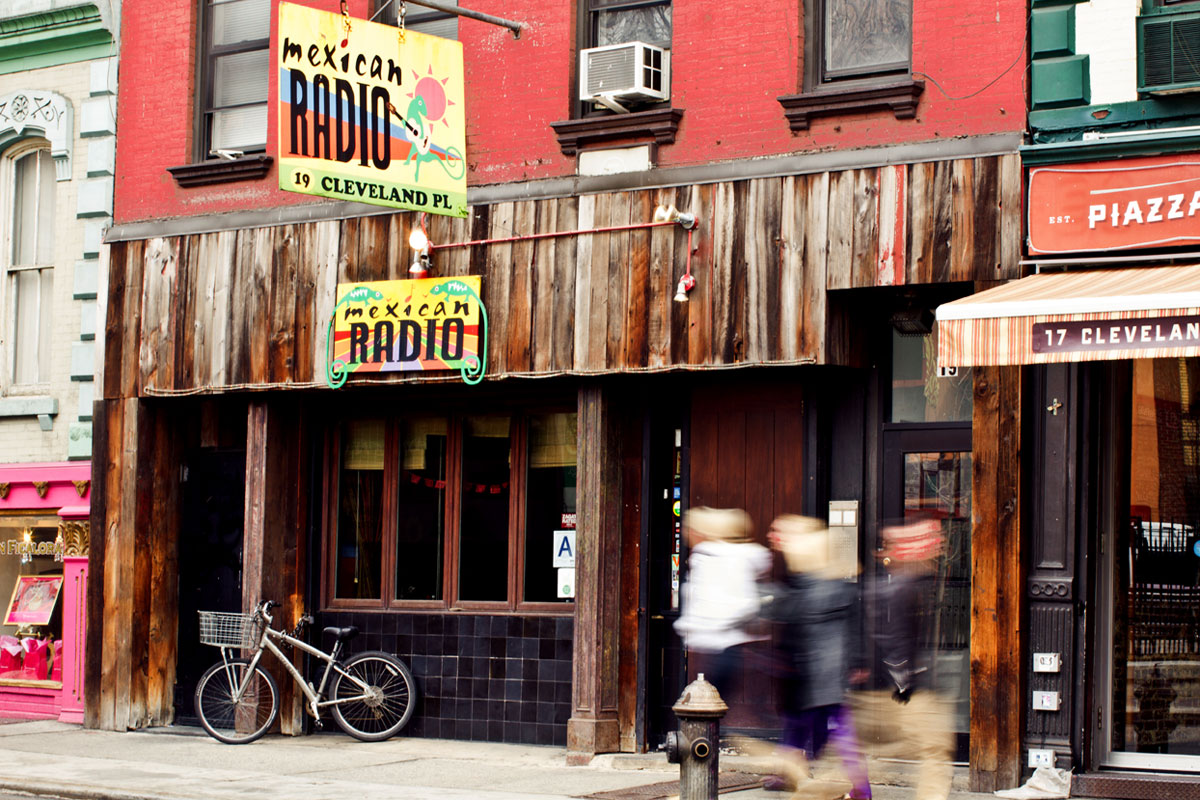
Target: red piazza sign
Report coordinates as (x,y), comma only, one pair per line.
(1115,205)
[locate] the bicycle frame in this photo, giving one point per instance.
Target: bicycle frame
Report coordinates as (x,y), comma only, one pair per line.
(315,696)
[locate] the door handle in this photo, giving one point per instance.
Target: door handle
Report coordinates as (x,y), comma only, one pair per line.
(657,616)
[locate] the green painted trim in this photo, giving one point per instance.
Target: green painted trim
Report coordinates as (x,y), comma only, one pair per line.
(51,38)
(1151,9)
(1150,112)
(1052,31)
(1056,82)
(1148,144)
(57,59)
(1046,3)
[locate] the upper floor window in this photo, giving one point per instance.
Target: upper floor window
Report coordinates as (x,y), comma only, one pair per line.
(235,37)
(29,188)
(420,19)
(858,39)
(620,21)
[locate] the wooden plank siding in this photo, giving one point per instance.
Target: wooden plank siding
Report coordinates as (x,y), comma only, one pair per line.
(249,309)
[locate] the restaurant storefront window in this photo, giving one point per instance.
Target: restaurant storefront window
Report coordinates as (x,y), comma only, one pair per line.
(1155,574)
(441,511)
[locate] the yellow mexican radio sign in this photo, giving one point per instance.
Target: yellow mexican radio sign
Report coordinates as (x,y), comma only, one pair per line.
(397,326)
(370,113)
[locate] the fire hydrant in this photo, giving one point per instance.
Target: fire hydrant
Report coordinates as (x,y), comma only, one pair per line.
(694,747)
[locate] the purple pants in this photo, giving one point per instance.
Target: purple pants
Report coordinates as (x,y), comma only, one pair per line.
(811,729)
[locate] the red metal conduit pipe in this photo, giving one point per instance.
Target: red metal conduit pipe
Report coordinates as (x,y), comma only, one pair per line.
(551,234)
(554,234)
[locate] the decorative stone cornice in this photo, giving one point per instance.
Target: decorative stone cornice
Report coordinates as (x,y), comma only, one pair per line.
(579,134)
(28,112)
(218,170)
(53,36)
(899,96)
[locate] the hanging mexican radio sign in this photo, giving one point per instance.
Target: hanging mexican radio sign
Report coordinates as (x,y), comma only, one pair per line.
(370,113)
(423,324)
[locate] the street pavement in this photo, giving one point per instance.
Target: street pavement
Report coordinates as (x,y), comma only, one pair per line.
(54,759)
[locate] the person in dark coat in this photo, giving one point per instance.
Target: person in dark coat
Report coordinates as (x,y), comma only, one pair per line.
(900,704)
(818,610)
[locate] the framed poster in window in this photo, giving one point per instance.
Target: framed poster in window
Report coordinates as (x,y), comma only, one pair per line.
(33,600)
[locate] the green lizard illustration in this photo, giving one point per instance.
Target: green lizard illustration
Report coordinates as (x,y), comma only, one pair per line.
(416,131)
(472,371)
(335,369)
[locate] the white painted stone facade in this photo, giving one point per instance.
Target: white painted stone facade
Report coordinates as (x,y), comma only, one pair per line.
(83,205)
(1106,31)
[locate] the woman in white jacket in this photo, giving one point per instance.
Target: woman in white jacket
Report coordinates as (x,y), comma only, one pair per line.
(720,596)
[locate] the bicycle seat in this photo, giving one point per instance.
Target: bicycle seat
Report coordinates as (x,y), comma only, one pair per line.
(343,634)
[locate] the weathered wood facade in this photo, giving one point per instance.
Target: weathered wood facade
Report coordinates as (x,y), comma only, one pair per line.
(248,309)
(245,313)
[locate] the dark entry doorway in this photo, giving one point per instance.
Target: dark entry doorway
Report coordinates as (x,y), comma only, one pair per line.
(210,559)
(927,473)
(664,445)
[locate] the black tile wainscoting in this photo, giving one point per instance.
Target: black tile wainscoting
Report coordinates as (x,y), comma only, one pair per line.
(480,677)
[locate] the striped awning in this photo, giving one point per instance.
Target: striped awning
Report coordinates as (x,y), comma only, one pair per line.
(1150,312)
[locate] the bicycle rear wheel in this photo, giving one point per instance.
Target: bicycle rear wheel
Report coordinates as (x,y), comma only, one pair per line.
(241,721)
(385,707)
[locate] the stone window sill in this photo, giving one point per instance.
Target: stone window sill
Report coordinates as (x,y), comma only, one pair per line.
(579,134)
(219,170)
(44,408)
(899,96)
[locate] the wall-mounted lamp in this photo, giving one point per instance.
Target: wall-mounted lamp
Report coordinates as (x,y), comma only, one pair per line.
(672,214)
(686,284)
(419,242)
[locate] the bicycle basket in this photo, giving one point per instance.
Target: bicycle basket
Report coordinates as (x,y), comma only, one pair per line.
(222,629)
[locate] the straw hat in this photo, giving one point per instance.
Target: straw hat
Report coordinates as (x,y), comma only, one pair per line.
(726,524)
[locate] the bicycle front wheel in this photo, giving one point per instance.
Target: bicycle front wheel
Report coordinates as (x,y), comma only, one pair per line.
(236,721)
(384,707)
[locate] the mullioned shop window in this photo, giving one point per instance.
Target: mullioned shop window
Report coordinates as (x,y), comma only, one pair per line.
(451,511)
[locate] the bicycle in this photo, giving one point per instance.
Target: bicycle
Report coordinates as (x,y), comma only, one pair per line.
(371,695)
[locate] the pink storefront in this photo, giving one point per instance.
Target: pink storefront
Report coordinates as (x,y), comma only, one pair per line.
(44,539)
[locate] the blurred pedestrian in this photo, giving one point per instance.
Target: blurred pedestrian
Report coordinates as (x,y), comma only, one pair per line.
(900,703)
(818,610)
(720,596)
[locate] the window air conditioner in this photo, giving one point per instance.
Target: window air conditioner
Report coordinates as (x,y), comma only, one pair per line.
(630,72)
(1169,53)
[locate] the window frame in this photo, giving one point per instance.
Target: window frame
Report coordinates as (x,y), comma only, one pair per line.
(451,546)
(26,148)
(815,74)
(591,8)
(206,59)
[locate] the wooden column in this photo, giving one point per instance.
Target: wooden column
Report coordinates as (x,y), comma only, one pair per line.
(133,592)
(273,546)
(996,581)
(593,726)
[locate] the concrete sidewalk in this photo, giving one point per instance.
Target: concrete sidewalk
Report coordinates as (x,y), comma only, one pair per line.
(58,760)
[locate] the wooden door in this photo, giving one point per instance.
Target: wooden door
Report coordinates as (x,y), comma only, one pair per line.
(746,451)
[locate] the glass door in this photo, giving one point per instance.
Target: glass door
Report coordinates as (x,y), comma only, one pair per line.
(1150,582)
(927,473)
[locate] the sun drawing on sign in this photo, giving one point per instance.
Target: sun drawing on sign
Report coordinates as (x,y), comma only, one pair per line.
(428,103)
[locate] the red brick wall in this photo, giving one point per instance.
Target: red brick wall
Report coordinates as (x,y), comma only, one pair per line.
(728,68)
